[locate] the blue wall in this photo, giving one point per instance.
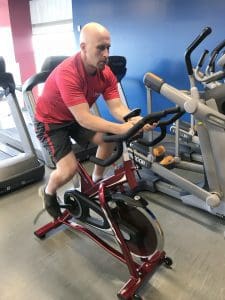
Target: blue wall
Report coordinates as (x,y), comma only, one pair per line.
(153,35)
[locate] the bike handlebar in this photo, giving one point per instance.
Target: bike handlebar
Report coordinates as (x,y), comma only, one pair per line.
(110,160)
(149,119)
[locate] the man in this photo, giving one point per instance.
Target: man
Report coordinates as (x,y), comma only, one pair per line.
(63,110)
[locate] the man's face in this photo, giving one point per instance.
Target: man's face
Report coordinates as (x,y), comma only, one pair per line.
(97,51)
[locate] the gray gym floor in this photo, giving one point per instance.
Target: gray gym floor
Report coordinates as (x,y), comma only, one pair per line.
(70,266)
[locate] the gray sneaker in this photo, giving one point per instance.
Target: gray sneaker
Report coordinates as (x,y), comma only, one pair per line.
(50,203)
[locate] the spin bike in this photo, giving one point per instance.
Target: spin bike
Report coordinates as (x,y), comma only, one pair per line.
(108,206)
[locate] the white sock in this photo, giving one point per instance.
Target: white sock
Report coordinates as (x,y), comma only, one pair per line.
(96,178)
(47,192)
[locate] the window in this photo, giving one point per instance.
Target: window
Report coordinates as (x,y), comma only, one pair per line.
(52,29)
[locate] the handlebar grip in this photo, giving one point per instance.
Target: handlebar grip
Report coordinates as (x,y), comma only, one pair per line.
(125,136)
(110,160)
(202,58)
(153,82)
(162,125)
(214,55)
(149,119)
(134,113)
(205,32)
(173,110)
(156,140)
(171,120)
(219,46)
(211,64)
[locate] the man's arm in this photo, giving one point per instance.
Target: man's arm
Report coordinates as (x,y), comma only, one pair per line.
(85,118)
(118,109)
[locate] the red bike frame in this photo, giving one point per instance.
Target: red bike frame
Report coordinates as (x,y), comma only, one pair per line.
(139,273)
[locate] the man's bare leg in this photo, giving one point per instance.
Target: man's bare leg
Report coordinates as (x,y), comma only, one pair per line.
(66,168)
(104,151)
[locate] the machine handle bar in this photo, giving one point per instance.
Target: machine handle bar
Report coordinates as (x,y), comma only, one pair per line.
(202,58)
(214,55)
(205,32)
(149,119)
(162,125)
(110,160)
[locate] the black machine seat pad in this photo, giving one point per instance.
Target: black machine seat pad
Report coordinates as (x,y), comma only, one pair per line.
(118,66)
(52,62)
(48,66)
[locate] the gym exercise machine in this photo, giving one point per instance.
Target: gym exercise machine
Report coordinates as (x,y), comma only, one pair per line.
(17,169)
(185,133)
(211,132)
(118,66)
(108,206)
(28,87)
(10,136)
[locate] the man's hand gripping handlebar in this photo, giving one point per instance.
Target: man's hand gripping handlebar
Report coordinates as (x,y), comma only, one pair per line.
(155,117)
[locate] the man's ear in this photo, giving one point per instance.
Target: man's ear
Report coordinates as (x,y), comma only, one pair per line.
(83,46)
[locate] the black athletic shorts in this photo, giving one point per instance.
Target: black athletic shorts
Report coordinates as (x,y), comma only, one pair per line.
(56,138)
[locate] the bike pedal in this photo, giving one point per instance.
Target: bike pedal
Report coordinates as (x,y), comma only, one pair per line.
(168,161)
(159,152)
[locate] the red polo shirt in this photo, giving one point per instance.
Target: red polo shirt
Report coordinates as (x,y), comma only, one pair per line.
(69,85)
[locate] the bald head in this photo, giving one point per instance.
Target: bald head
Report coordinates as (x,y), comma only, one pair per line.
(91,31)
(94,44)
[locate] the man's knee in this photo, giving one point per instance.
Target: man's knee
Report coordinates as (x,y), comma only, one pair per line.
(98,138)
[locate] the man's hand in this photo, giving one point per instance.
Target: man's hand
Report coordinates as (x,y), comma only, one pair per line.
(147,127)
(124,127)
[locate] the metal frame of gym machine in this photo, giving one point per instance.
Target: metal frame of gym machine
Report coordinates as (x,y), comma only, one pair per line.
(185,136)
(24,168)
(211,132)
